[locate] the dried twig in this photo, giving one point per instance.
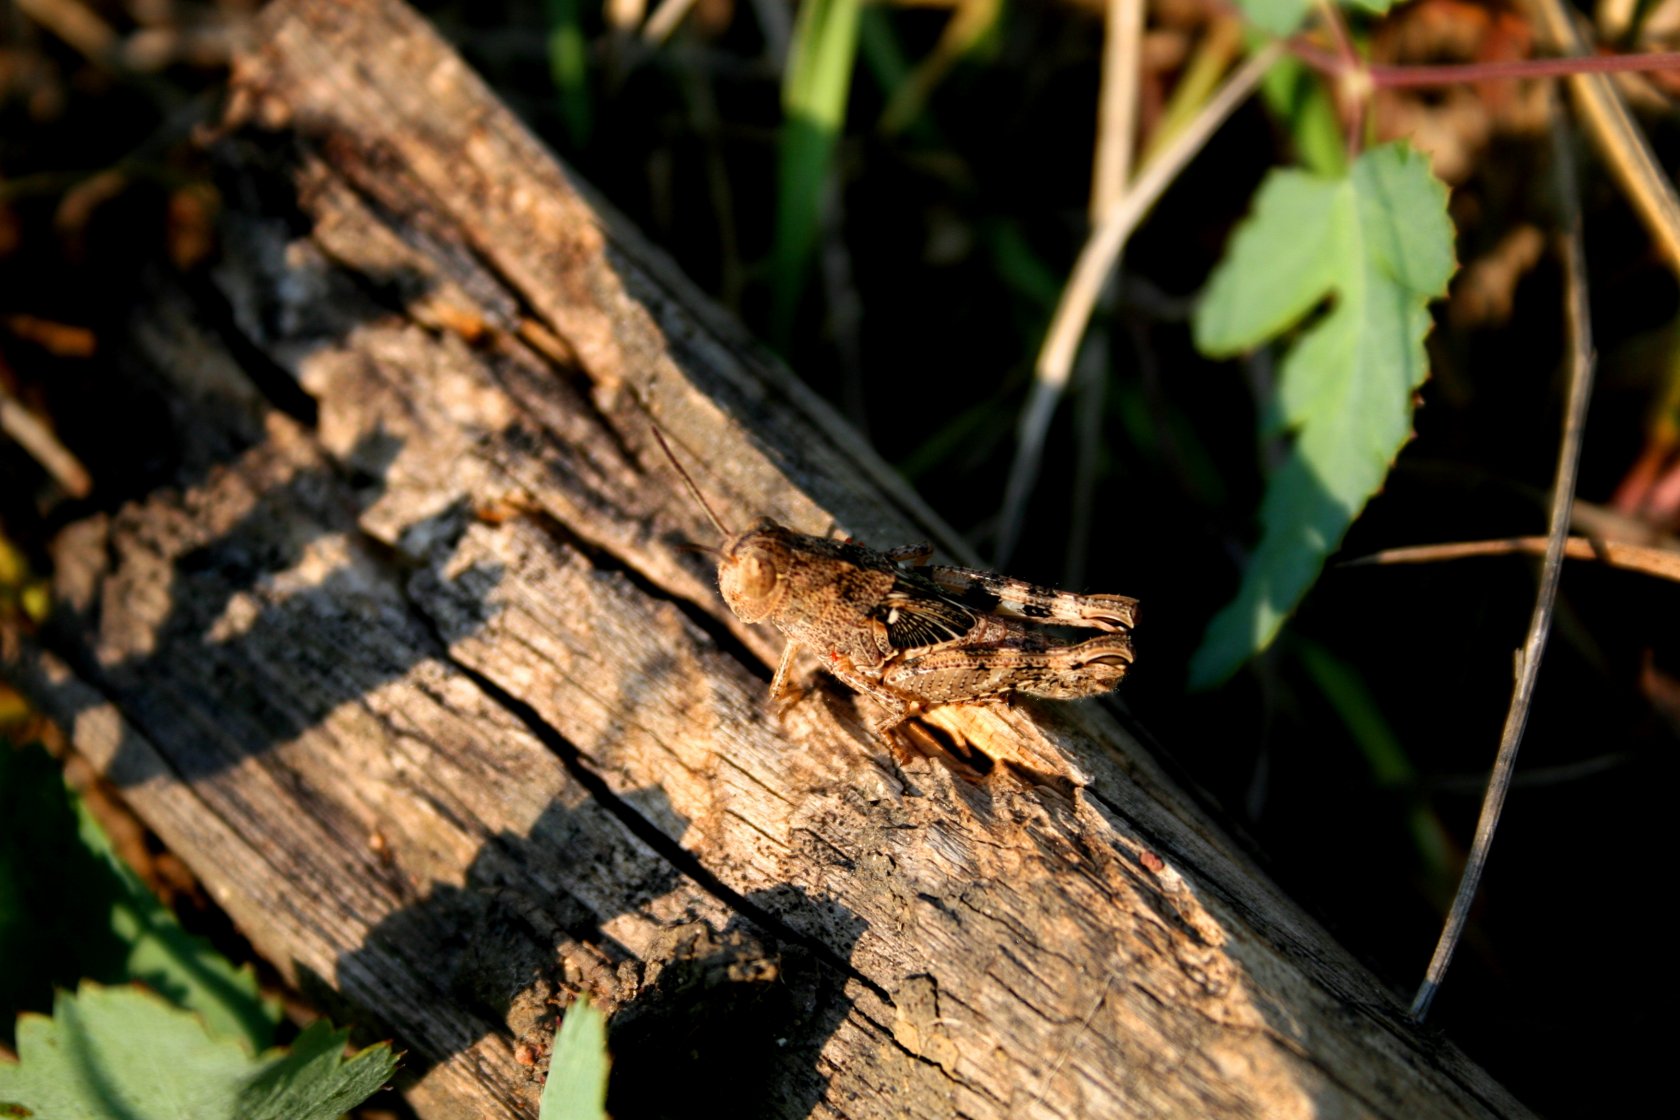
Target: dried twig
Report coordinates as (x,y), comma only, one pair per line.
(1664,563)
(1091,270)
(1353,90)
(43,446)
(665,19)
(1563,493)
(1117,126)
(76,24)
(1117,106)
(1605,116)
(1411,75)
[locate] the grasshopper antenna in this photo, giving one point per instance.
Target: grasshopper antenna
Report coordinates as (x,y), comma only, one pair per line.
(688,481)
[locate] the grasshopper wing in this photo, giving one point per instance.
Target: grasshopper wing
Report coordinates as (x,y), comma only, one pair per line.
(916,614)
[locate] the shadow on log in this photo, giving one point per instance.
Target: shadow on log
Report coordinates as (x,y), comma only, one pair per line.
(401,649)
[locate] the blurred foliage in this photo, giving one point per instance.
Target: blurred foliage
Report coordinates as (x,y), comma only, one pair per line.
(1378,241)
(905,253)
(814,96)
(70,910)
(184,1032)
(576,1088)
(126,1052)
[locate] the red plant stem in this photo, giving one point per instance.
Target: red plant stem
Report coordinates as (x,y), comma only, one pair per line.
(1349,101)
(1338,30)
(1396,77)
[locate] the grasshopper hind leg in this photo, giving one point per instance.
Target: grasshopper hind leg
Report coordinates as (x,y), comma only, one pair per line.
(990,671)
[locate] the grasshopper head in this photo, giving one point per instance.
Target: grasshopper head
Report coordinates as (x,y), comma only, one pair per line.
(751,572)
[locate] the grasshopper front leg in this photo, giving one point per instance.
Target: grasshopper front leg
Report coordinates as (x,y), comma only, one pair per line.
(899,706)
(916,555)
(783,668)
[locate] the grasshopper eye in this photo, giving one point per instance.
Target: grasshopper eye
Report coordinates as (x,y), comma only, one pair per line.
(751,581)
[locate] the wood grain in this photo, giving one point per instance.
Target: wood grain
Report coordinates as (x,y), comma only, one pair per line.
(403,652)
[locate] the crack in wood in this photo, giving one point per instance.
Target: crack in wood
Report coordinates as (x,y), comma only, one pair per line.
(683,860)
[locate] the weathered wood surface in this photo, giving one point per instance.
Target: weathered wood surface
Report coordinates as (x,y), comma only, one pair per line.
(415,673)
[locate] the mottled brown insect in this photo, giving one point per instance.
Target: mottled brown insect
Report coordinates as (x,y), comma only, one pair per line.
(914,635)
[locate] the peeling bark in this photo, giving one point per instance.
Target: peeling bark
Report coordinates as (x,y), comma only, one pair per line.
(407,660)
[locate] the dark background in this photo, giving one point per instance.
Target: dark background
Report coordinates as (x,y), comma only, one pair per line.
(1354,752)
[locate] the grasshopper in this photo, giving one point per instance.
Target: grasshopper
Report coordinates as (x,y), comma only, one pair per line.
(913,635)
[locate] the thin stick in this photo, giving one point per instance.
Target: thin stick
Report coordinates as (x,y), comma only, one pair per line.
(1603,110)
(664,19)
(1409,75)
(1096,259)
(1605,117)
(43,446)
(1563,494)
(1116,106)
(1664,563)
(1117,124)
(1103,246)
(1352,91)
(1332,19)
(77,25)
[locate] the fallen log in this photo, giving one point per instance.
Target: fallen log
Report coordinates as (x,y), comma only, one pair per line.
(404,653)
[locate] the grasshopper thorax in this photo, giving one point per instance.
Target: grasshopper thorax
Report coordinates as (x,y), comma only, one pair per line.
(752,574)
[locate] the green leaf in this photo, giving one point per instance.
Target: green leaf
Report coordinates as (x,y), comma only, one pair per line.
(1391,767)
(314,1080)
(1379,242)
(577,1072)
(1279,17)
(1283,17)
(126,1052)
(814,94)
(71,909)
(568,68)
(1300,97)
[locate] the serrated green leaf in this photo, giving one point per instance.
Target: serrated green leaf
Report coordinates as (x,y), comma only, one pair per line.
(577,1071)
(1279,265)
(71,909)
(313,1080)
(126,1052)
(1378,244)
(121,1052)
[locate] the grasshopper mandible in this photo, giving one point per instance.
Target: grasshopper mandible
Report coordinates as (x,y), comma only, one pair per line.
(914,635)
